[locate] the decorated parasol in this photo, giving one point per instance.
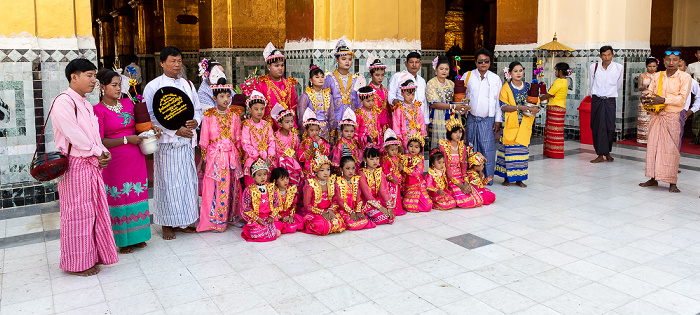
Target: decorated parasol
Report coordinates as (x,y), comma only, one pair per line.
(553,47)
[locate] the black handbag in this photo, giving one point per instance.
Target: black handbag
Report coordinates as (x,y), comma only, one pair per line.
(51,165)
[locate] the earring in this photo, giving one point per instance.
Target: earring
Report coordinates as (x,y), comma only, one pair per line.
(102,92)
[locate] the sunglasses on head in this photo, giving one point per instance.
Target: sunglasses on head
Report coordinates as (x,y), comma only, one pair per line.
(482,61)
(675,52)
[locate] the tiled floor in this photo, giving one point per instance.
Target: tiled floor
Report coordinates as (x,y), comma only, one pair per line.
(581,239)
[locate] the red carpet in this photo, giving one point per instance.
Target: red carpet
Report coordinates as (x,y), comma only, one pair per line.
(686,147)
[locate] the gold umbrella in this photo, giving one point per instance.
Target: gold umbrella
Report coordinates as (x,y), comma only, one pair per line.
(554,46)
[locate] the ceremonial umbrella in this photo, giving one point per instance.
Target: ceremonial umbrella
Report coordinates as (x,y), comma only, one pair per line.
(554,46)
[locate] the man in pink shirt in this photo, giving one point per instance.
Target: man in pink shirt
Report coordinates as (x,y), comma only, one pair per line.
(86,231)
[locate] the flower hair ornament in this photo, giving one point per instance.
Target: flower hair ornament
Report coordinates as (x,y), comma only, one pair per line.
(435,61)
(506,73)
(313,67)
(569,72)
(203,65)
(434,151)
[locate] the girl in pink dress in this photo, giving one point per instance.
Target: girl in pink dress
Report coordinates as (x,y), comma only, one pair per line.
(375,194)
(436,182)
(285,201)
(392,167)
(475,176)
(260,216)
(320,211)
(369,130)
(275,88)
(219,140)
(287,143)
(408,116)
(256,135)
(415,196)
(312,144)
(347,140)
(347,196)
(456,155)
(381,106)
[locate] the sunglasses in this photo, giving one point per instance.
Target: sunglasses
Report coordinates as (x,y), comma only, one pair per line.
(482,61)
(677,53)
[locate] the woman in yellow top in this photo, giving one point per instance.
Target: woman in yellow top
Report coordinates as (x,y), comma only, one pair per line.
(556,110)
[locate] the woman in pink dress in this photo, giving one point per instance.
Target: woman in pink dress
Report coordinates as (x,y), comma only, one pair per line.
(415,196)
(275,88)
(381,106)
(219,140)
(320,211)
(125,177)
(347,196)
(257,136)
(456,155)
(375,194)
(284,200)
(312,144)
(260,216)
(287,143)
(408,116)
(392,167)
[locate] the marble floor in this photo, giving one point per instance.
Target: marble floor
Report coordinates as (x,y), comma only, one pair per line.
(581,239)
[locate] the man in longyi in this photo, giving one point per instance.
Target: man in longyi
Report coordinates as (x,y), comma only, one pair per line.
(670,87)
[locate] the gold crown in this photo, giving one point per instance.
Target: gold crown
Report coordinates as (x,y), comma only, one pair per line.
(476,159)
(418,137)
(259,165)
(318,161)
(453,122)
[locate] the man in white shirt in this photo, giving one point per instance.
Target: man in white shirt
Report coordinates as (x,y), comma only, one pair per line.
(605,81)
(688,110)
(694,71)
(485,117)
(175,192)
(413,65)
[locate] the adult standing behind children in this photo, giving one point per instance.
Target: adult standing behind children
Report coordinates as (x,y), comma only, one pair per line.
(605,81)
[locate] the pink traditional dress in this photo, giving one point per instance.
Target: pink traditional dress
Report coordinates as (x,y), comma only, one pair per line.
(282,92)
(86,232)
(408,119)
(456,166)
(354,148)
(391,170)
(257,204)
(381,107)
(315,202)
(219,140)
(368,126)
(126,179)
(375,194)
(285,203)
(258,142)
(307,152)
(477,182)
(347,197)
(415,196)
(287,148)
(436,181)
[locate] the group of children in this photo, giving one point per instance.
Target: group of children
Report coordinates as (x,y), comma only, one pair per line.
(328,171)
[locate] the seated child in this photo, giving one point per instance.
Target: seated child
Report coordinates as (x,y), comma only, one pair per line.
(391,167)
(320,215)
(475,176)
(260,217)
(284,201)
(415,196)
(436,182)
(347,196)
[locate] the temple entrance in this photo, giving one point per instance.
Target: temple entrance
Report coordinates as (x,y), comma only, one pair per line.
(469,25)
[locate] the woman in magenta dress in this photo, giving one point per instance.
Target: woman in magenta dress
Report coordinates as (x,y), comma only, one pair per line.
(125,177)
(220,141)
(376,200)
(415,196)
(260,216)
(347,196)
(456,155)
(320,211)
(284,200)
(392,169)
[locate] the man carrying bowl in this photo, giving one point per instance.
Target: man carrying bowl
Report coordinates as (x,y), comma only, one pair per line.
(664,100)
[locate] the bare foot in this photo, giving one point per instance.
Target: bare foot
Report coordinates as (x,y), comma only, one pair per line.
(125,250)
(187,230)
(679,171)
(506,182)
(141,245)
(521,184)
(168,233)
(674,189)
(87,272)
(598,159)
(650,183)
(609,158)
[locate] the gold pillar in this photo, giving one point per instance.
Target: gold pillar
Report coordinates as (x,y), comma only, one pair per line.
(123,32)
(144,25)
(106,40)
(432,24)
